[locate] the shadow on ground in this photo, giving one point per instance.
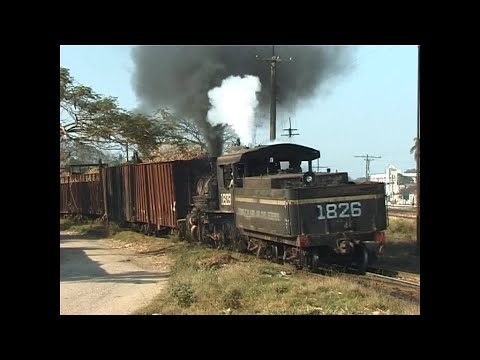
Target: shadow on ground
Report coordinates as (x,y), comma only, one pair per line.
(399,256)
(73,237)
(89,235)
(76,265)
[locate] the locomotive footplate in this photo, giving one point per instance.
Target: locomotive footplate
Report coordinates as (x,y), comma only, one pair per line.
(333,240)
(316,240)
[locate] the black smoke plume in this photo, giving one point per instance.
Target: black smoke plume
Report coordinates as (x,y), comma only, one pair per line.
(181,76)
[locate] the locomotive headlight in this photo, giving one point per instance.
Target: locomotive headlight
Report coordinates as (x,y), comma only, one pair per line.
(309,178)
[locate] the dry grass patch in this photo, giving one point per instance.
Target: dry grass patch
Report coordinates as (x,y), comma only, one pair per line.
(402,229)
(89,228)
(400,248)
(241,284)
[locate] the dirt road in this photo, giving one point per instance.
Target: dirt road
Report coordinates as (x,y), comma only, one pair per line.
(98,278)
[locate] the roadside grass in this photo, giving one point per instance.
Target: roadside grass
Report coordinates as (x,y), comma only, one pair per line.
(400,247)
(143,244)
(89,228)
(401,229)
(218,282)
(207,281)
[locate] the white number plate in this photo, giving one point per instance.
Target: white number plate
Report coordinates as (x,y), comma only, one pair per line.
(226,199)
(341,210)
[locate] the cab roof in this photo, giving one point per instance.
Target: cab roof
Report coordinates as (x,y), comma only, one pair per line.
(280,152)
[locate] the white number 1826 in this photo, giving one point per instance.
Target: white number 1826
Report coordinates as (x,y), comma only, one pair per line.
(342,210)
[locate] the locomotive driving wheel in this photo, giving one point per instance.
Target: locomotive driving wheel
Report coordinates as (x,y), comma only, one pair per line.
(315,261)
(275,253)
(240,242)
(361,258)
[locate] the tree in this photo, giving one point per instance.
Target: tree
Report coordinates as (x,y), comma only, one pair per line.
(95,121)
(81,109)
(88,118)
(404,180)
(413,149)
(72,153)
(140,132)
(184,132)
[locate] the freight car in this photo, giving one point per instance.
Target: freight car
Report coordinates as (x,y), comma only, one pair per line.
(150,197)
(81,194)
(254,199)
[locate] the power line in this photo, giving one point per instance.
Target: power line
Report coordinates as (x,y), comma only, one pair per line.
(368,158)
(273,81)
(290,133)
(318,167)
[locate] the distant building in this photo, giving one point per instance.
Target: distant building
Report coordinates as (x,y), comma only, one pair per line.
(400,187)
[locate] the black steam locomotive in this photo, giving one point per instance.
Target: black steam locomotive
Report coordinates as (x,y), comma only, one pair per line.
(259,200)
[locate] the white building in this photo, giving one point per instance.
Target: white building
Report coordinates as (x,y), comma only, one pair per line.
(399,186)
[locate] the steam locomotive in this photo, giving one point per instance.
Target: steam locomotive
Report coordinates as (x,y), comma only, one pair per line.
(253,199)
(259,200)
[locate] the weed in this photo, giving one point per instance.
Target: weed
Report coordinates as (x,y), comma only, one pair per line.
(281,289)
(231,299)
(183,293)
(401,229)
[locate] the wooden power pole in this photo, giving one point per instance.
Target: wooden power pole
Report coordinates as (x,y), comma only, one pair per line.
(368,158)
(273,90)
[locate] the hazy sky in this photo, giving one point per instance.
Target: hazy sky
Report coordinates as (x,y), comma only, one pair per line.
(372,110)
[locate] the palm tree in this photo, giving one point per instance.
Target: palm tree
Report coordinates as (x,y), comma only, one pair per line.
(415,149)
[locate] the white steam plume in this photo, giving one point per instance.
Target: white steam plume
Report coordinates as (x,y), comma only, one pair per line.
(234,103)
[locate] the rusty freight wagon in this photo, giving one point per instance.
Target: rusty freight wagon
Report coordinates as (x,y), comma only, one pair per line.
(81,194)
(152,196)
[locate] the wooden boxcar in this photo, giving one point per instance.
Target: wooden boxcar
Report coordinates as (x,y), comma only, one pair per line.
(81,194)
(155,194)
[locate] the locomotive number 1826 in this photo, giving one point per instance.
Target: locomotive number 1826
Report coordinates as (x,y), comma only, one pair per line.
(341,210)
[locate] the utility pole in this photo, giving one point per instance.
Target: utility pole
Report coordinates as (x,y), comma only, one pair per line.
(290,130)
(417,153)
(273,90)
(368,158)
(318,167)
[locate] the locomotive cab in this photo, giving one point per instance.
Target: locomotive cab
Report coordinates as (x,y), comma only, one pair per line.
(234,169)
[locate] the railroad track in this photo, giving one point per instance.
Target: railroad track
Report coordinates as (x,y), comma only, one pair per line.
(406,214)
(401,285)
(409,279)
(403,216)
(393,280)
(394,285)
